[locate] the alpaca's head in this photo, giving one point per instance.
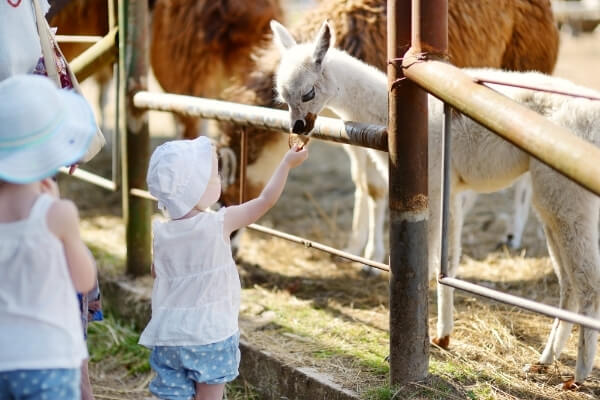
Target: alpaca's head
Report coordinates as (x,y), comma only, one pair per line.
(301,79)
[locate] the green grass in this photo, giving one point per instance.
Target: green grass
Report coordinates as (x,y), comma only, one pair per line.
(241,390)
(115,340)
(336,335)
(380,393)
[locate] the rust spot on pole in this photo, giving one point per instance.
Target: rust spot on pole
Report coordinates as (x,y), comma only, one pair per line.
(417,203)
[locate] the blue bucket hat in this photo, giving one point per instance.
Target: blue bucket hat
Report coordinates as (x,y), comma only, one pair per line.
(42,128)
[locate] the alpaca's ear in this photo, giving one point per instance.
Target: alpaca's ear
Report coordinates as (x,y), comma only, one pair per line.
(322,43)
(282,38)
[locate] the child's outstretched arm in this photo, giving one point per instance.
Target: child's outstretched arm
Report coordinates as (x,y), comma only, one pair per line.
(244,214)
(63,221)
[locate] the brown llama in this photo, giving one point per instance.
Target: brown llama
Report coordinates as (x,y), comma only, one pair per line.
(509,34)
(83,17)
(199,46)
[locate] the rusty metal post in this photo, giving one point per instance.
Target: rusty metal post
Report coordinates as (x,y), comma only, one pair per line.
(408,202)
(407,141)
(133,62)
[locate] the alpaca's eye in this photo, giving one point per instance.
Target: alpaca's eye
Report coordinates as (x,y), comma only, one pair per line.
(309,96)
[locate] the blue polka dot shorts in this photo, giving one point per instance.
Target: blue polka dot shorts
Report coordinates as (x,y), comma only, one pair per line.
(41,384)
(178,368)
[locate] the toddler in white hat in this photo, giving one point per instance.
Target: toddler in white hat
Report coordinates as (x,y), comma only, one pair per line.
(193,332)
(42,257)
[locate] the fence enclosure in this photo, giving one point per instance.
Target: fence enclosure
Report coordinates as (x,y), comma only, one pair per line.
(417,39)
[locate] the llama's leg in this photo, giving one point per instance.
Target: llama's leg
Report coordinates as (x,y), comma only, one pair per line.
(445,294)
(578,244)
(375,249)
(468,198)
(561,330)
(377,187)
(570,214)
(588,339)
(521,203)
(585,269)
(358,235)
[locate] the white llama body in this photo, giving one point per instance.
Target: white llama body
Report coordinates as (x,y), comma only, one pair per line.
(313,76)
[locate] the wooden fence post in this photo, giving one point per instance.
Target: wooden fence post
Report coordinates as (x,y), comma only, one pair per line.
(135,138)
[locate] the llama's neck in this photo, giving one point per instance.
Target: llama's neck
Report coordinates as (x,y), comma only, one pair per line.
(361,90)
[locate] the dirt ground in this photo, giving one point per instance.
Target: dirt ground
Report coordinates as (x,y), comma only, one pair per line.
(317,204)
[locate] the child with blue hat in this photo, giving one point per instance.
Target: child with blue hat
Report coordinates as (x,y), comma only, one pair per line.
(42,257)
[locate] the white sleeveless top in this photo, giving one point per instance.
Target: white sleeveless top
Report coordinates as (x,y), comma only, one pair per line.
(20,47)
(39,313)
(196,293)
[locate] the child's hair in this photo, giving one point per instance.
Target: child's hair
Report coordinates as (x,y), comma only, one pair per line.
(42,128)
(178,174)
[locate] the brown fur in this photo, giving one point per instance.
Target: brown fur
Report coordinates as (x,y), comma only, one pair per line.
(509,34)
(84,17)
(199,45)
(80,17)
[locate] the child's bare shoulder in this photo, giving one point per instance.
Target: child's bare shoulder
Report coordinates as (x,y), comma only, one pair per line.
(62,216)
(63,208)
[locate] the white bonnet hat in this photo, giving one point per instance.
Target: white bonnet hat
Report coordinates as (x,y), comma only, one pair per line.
(42,128)
(178,174)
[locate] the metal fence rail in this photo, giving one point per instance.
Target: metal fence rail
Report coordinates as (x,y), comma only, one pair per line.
(336,130)
(521,302)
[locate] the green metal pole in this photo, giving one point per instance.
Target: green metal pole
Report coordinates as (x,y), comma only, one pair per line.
(135,138)
(91,60)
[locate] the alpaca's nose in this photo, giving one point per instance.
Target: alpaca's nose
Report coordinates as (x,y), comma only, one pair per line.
(298,126)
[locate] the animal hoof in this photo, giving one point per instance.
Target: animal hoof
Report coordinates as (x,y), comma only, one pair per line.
(537,368)
(571,385)
(443,342)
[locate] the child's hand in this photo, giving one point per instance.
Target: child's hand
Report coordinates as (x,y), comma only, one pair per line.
(295,156)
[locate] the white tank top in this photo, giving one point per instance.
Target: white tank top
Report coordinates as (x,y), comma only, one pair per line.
(39,313)
(20,47)
(196,294)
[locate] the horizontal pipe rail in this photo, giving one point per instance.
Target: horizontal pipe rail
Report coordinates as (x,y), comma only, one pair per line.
(77,39)
(142,193)
(319,246)
(331,129)
(296,239)
(550,143)
(530,305)
(91,178)
(536,88)
(98,55)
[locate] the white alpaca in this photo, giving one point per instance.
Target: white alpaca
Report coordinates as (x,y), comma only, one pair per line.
(312,76)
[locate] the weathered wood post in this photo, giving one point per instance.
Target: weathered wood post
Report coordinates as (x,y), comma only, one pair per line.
(133,126)
(408,203)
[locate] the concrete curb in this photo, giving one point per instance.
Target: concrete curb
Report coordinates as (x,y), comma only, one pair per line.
(271,377)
